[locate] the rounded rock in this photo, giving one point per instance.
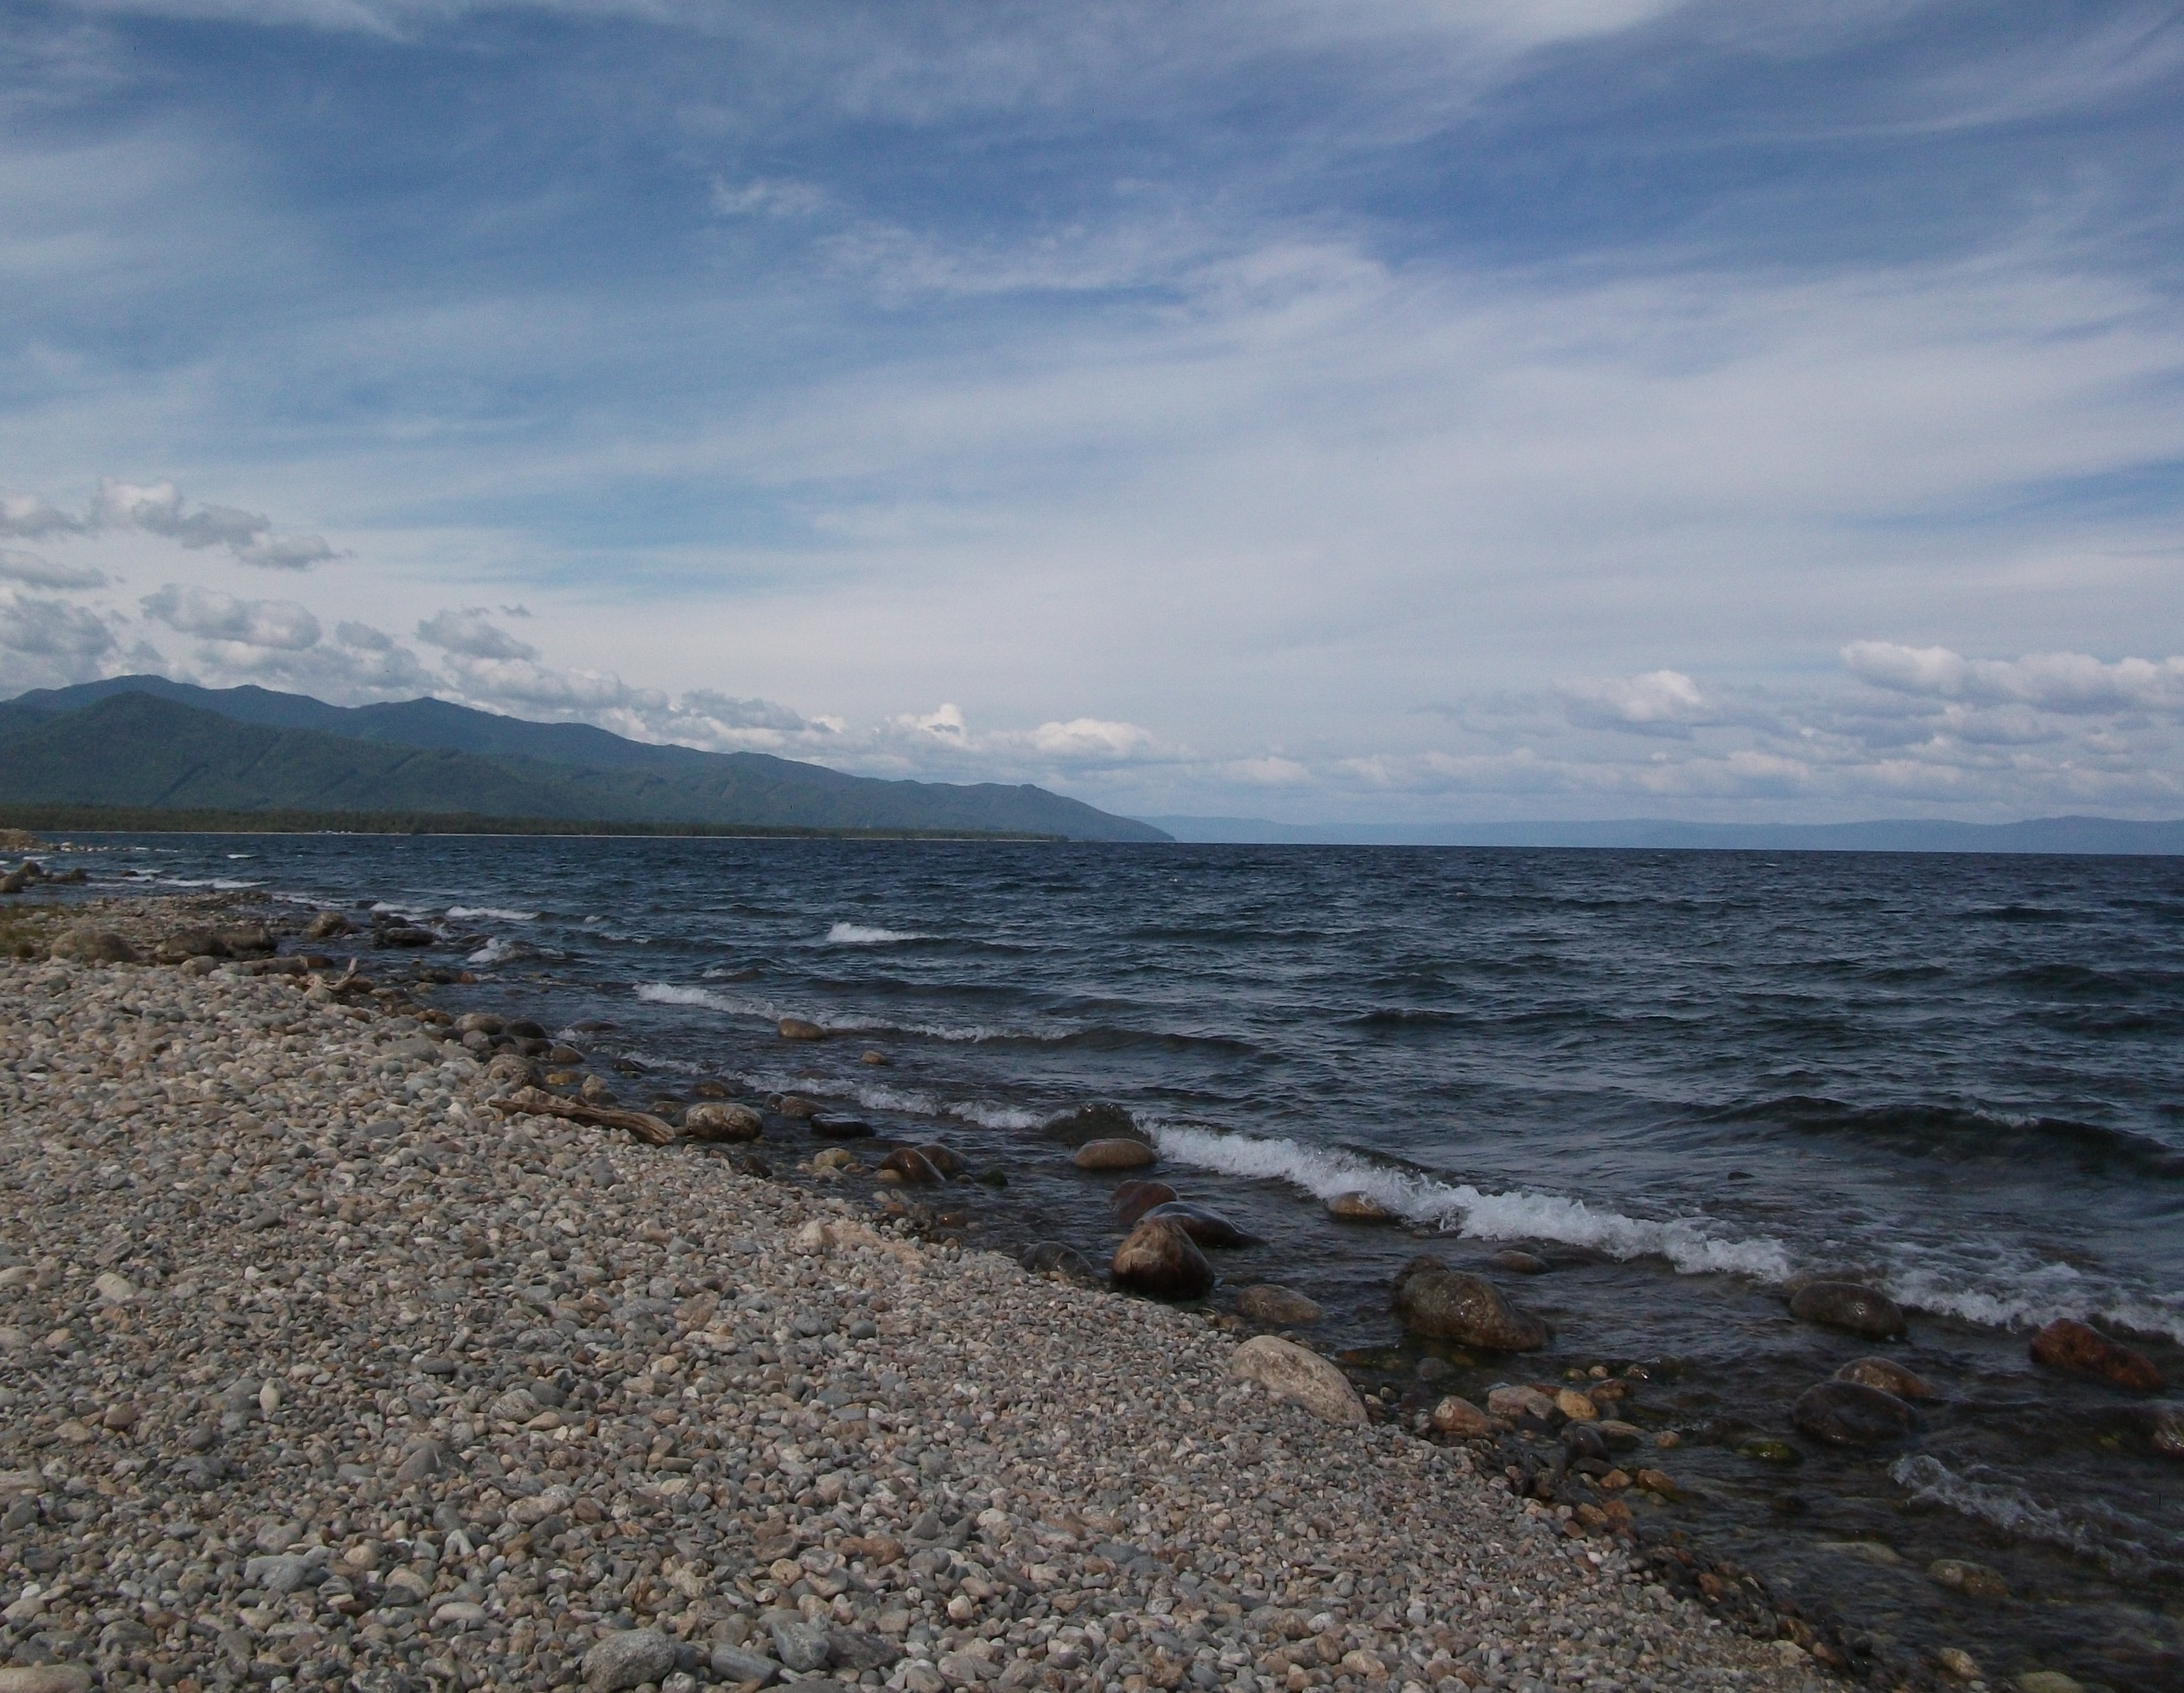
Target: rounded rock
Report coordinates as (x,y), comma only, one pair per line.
(1289,1371)
(1848,1413)
(796,1028)
(1114,1155)
(717,1120)
(2064,1345)
(1973,1581)
(628,1658)
(1133,1199)
(1160,1258)
(45,1678)
(908,1165)
(1849,1307)
(1457,1417)
(1358,1207)
(1432,1300)
(1276,1306)
(1205,1225)
(1888,1376)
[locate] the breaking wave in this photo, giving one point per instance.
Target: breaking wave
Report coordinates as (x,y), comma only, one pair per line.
(860,934)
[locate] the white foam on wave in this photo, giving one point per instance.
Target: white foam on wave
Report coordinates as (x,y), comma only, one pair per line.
(744,1005)
(733,1005)
(1464,1210)
(493,913)
(1996,1297)
(497,950)
(2094,1530)
(987,1115)
(861,934)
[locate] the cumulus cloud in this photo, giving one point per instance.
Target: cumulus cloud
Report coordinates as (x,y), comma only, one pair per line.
(215,616)
(33,572)
(363,637)
(2074,683)
(1090,738)
(26,517)
(470,634)
(158,508)
(1662,702)
(53,629)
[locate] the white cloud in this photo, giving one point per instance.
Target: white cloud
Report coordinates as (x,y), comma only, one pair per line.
(1091,739)
(26,517)
(53,629)
(1660,702)
(468,634)
(158,508)
(33,572)
(215,616)
(363,637)
(2076,683)
(760,198)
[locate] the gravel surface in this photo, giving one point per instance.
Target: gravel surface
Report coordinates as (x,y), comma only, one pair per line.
(317,1370)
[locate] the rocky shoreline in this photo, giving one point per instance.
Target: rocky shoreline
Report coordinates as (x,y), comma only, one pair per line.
(321,1370)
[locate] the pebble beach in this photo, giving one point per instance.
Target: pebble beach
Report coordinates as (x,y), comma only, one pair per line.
(320,1367)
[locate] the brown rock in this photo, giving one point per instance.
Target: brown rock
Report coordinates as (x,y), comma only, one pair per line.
(1448,1304)
(1518,1263)
(1888,1376)
(1277,1307)
(1973,1581)
(796,1028)
(1160,1258)
(715,1120)
(85,944)
(1577,1407)
(2064,1345)
(1114,1155)
(910,1166)
(1848,1305)
(1460,1417)
(1517,1403)
(797,1106)
(1052,1258)
(2167,1432)
(1205,1225)
(1290,1371)
(945,1159)
(1357,1207)
(1848,1413)
(1133,1199)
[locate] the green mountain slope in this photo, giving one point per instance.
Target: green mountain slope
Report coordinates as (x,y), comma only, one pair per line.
(135,748)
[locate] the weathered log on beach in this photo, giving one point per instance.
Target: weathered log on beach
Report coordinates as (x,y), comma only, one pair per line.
(536,1102)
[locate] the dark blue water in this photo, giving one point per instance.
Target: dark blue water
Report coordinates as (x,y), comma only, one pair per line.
(1680,1078)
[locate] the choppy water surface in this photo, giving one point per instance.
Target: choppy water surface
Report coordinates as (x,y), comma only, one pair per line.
(1682,1077)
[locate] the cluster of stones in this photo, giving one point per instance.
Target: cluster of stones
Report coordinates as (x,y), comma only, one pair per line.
(327,1363)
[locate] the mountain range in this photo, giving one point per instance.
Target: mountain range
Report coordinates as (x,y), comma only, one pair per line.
(2087,835)
(143,742)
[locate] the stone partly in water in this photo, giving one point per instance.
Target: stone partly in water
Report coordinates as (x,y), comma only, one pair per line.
(1160,1258)
(715,1120)
(2166,1434)
(2064,1345)
(1052,1258)
(1289,1371)
(1848,1413)
(796,1028)
(1518,1263)
(1973,1581)
(1358,1207)
(1770,1451)
(1276,1307)
(1133,1199)
(1520,1404)
(1205,1225)
(1460,1420)
(834,1126)
(1442,1303)
(1888,1376)
(910,1166)
(1114,1155)
(628,1658)
(945,1159)
(1848,1307)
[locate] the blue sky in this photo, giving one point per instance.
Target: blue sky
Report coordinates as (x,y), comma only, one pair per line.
(1389,412)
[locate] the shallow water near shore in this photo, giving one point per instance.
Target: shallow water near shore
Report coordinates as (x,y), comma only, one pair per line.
(1680,1078)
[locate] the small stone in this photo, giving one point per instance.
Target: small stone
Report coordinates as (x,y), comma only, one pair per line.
(1519,1263)
(1973,1581)
(1887,1375)
(1290,1371)
(738,1664)
(1848,1305)
(1846,1413)
(1114,1155)
(1577,1407)
(1277,1307)
(1461,1419)
(1957,1661)
(1516,1404)
(2048,1681)
(627,1658)
(114,1290)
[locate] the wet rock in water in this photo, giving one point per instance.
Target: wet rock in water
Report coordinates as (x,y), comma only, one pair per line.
(1888,1376)
(1973,1581)
(1442,1303)
(1052,1258)
(595,1091)
(796,1028)
(1133,1199)
(1849,1307)
(836,1158)
(835,1126)
(1577,1407)
(85,944)
(2166,1432)
(1770,1451)
(409,935)
(713,1120)
(1205,1225)
(1278,1307)
(709,1089)
(908,1165)
(566,1057)
(1290,1371)
(1518,1263)
(797,1106)
(1114,1155)
(1358,1207)
(1582,1441)
(628,1658)
(1518,1404)
(1160,1258)
(1101,1120)
(328,926)
(2064,1345)
(1848,1413)
(945,1159)
(1620,1434)
(1459,1418)
(523,1029)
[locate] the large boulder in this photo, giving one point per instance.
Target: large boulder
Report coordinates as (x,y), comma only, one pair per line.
(720,1120)
(1442,1303)
(1849,1307)
(1848,1413)
(1134,1197)
(1205,1225)
(2064,1345)
(87,944)
(1114,1155)
(1160,1259)
(1289,1371)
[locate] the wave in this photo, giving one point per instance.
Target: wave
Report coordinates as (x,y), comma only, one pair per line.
(1926,1130)
(492,911)
(1460,1209)
(860,934)
(2093,1530)
(744,1005)
(498,950)
(2032,1298)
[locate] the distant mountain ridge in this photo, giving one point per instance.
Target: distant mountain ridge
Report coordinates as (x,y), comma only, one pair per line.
(148,742)
(2094,836)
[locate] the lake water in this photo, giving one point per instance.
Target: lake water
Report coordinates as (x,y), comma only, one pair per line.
(1682,1078)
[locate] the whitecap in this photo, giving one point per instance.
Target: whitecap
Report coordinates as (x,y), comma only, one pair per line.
(497,950)
(2094,1530)
(743,1005)
(1461,1209)
(493,913)
(861,934)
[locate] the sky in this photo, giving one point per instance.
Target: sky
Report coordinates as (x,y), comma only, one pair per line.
(1403,410)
